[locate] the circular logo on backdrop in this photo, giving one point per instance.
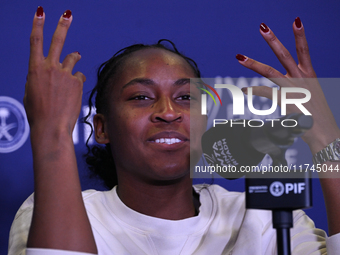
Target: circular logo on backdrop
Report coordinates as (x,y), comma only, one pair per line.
(14,128)
(276,189)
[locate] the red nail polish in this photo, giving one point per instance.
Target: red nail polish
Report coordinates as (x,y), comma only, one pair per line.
(240,57)
(67,14)
(298,22)
(264,28)
(77,52)
(40,11)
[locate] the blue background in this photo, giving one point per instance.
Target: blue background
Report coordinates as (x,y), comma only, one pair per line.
(211,32)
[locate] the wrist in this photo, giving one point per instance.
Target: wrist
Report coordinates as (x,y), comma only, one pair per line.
(318,141)
(46,140)
(330,153)
(50,131)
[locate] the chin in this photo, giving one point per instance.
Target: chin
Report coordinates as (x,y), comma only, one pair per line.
(171,172)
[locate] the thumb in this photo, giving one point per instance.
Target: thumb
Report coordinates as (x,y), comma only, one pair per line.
(80,76)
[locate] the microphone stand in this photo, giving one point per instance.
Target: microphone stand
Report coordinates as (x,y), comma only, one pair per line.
(275,143)
(282,219)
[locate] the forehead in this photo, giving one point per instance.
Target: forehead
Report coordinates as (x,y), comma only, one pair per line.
(151,62)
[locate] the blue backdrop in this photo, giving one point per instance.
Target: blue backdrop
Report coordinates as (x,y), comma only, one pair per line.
(211,32)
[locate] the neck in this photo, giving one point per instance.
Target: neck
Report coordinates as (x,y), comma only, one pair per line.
(172,200)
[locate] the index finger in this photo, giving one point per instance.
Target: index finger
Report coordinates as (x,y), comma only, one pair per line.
(36,38)
(280,51)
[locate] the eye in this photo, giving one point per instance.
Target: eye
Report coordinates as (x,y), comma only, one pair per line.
(184,97)
(140,97)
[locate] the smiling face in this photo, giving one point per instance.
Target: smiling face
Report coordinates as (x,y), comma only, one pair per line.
(148,120)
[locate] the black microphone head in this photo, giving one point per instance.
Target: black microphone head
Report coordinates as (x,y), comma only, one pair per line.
(228,149)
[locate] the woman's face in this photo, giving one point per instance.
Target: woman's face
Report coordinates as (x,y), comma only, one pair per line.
(148,122)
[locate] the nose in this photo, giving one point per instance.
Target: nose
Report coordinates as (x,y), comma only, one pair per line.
(166,110)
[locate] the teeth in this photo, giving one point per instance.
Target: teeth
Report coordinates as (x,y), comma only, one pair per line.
(168,140)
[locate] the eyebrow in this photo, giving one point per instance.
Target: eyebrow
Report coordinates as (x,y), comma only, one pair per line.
(150,82)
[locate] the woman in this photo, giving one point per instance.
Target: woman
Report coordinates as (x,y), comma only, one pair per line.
(143,115)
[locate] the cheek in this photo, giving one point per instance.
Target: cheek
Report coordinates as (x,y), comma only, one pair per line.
(198,125)
(121,134)
(125,124)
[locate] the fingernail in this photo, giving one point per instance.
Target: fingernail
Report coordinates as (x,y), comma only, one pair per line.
(241,57)
(77,52)
(264,28)
(67,14)
(40,12)
(244,90)
(298,22)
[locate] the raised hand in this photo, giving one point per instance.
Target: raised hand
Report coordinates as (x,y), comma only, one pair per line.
(53,95)
(53,101)
(325,129)
(302,75)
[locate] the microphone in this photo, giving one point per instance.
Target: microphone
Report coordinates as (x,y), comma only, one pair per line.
(240,143)
(228,145)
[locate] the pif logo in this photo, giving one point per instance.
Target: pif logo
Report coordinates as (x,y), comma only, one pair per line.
(238,99)
(278,188)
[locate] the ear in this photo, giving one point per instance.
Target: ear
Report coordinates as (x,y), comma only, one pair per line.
(100,131)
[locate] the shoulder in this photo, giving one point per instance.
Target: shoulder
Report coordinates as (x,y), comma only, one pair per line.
(22,220)
(88,196)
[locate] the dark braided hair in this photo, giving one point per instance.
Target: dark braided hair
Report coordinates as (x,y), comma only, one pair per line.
(99,158)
